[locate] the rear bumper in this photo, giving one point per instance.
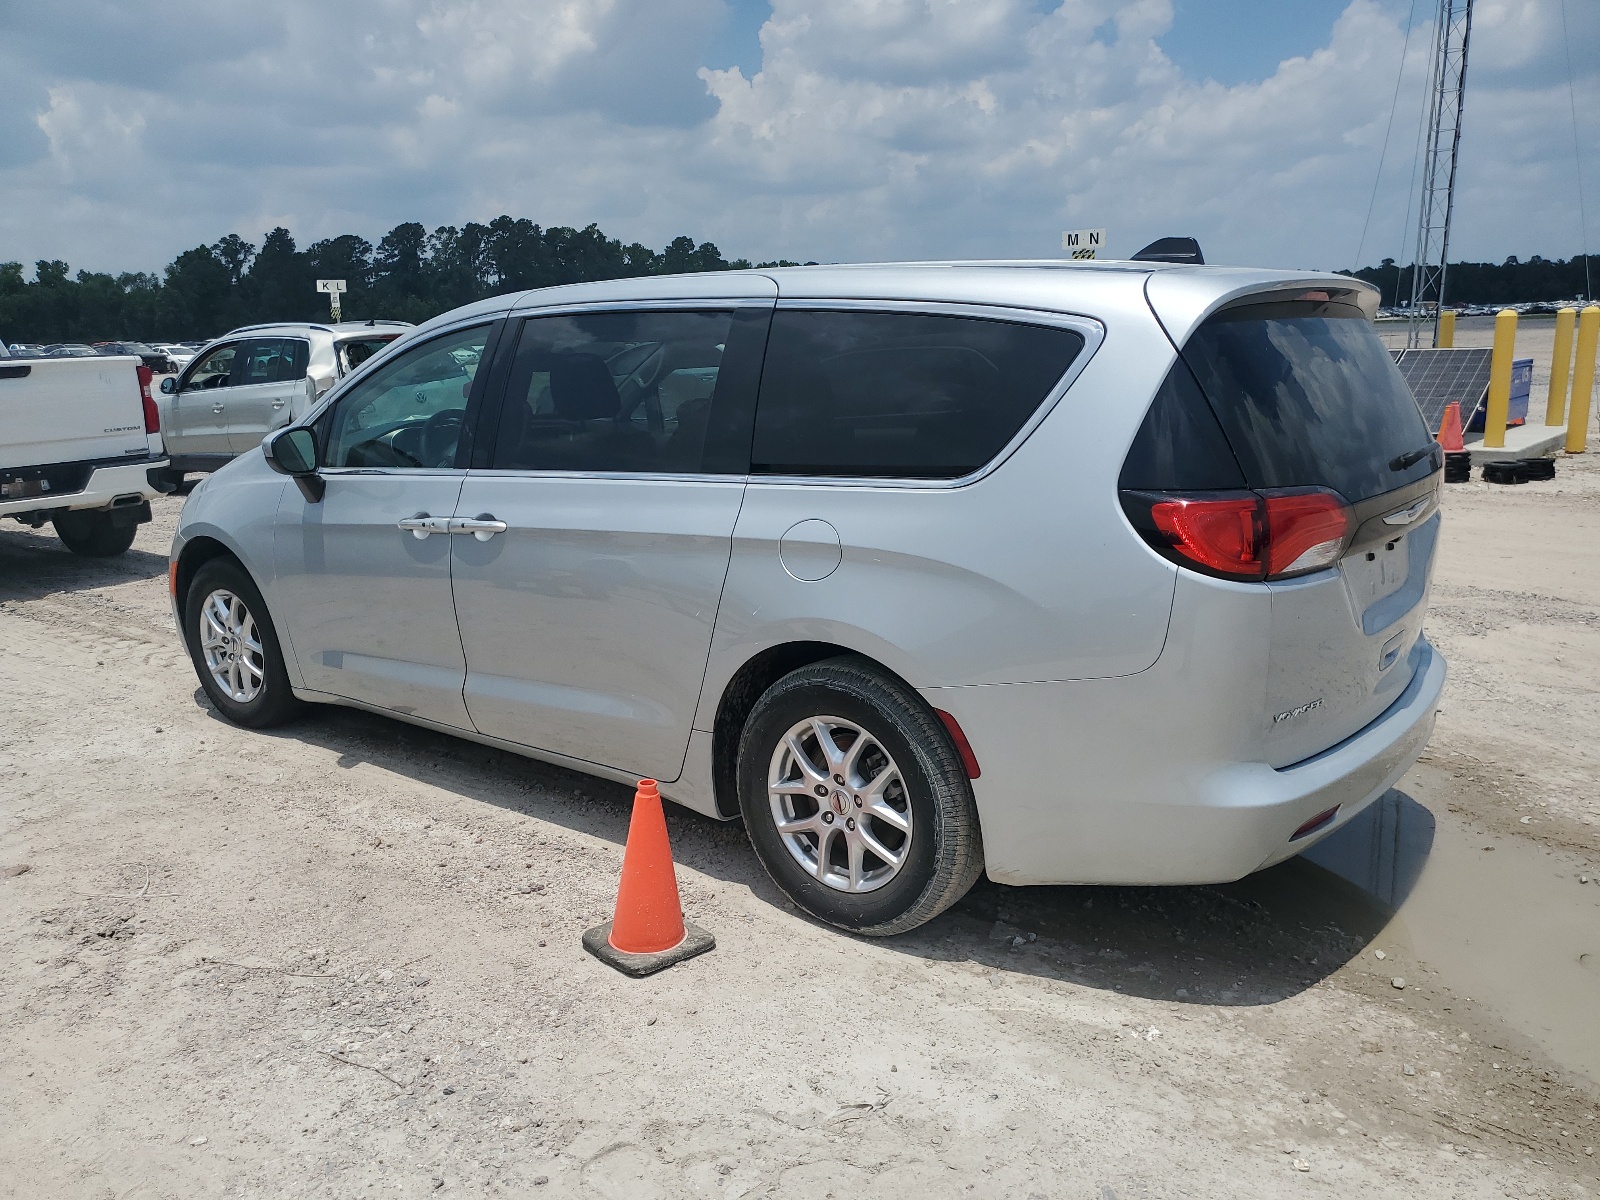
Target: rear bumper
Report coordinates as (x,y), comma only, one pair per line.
(1094,781)
(109,485)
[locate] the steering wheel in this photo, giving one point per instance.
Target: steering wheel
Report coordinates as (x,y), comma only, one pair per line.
(440,435)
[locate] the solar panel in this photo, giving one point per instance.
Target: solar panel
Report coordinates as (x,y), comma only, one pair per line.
(1438,377)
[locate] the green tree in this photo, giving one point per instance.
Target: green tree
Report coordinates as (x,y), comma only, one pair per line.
(197,293)
(235,254)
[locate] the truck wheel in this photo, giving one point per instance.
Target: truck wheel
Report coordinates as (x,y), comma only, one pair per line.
(855,799)
(93,534)
(235,648)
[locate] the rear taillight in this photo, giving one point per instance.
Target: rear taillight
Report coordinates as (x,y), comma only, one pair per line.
(152,416)
(1223,533)
(1306,530)
(1272,534)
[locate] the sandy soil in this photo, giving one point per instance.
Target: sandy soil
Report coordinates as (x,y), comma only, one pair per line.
(343,958)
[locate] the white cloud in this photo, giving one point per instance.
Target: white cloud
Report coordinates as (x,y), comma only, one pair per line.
(873,128)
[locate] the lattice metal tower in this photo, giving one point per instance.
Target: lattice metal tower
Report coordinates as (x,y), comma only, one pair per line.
(1447,92)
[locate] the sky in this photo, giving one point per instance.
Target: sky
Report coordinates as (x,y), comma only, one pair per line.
(834,130)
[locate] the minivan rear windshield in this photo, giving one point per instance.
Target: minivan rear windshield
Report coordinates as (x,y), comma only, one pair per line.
(1308,396)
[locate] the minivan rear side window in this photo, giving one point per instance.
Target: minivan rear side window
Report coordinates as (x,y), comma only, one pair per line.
(1308,396)
(899,395)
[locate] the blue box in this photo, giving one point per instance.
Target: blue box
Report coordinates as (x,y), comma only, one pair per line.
(1517,410)
(1521,388)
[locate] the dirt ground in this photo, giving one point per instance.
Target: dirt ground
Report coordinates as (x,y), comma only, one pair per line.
(342,958)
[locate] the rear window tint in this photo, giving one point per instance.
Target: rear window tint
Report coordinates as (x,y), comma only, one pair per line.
(1308,396)
(1180,446)
(905,395)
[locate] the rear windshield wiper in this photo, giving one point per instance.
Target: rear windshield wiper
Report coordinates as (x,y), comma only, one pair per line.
(1412,457)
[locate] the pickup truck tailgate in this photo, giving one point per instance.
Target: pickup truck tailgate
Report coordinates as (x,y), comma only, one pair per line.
(67,410)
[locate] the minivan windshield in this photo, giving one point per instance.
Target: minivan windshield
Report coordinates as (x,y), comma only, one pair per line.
(1308,396)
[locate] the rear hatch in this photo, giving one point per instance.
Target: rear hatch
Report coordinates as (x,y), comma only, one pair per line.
(1286,451)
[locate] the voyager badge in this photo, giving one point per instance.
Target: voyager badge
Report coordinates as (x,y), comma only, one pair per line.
(1298,712)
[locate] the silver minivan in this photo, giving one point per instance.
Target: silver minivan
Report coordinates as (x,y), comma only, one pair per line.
(1066,572)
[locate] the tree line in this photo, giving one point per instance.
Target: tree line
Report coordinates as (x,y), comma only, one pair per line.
(1511,282)
(410,275)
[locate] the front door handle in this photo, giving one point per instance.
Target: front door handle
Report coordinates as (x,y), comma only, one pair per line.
(216,408)
(483,526)
(421,525)
(277,404)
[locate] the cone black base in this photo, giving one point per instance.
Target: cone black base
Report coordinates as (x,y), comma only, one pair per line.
(597,942)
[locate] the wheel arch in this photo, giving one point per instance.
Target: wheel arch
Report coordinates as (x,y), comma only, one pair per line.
(196,553)
(739,697)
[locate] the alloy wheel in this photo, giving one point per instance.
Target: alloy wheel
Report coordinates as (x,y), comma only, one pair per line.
(232,646)
(840,804)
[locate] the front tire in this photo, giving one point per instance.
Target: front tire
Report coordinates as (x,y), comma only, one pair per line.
(235,648)
(855,799)
(93,534)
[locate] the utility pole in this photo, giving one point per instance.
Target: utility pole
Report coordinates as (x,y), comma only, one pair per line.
(1447,89)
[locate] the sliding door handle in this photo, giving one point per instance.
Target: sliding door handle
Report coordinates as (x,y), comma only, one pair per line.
(421,525)
(483,526)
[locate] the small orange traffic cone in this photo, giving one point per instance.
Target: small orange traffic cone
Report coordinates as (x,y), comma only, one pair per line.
(648,933)
(1450,429)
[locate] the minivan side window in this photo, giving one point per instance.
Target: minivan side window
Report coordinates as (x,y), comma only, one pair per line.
(899,395)
(613,391)
(408,413)
(213,371)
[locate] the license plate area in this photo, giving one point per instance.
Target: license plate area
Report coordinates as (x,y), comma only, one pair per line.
(23,489)
(1379,570)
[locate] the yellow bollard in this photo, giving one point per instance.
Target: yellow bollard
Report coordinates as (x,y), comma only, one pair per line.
(1445,338)
(1505,348)
(1555,409)
(1583,380)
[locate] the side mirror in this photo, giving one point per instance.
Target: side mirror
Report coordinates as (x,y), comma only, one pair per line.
(293,452)
(169,385)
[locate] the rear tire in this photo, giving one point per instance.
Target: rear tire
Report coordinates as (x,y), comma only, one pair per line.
(894,841)
(93,534)
(235,648)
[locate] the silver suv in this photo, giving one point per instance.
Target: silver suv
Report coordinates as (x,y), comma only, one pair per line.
(1087,573)
(255,379)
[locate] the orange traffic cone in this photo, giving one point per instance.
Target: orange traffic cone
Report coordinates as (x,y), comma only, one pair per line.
(648,932)
(1450,429)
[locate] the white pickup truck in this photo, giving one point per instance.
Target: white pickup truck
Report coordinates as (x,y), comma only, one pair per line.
(80,447)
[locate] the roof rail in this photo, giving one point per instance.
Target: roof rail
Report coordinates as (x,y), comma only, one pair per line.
(278,325)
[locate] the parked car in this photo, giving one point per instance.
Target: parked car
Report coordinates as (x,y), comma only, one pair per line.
(240,387)
(923,570)
(179,354)
(26,350)
(159,362)
(80,448)
(70,350)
